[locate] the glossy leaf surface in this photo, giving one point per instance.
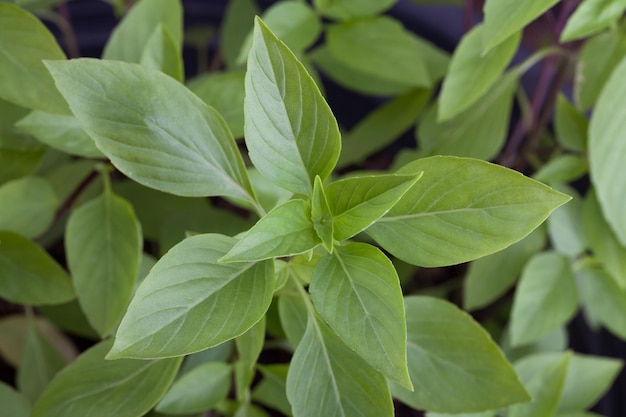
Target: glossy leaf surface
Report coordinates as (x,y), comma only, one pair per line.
(190,301)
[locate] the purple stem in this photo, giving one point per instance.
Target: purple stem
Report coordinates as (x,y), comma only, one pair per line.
(468,15)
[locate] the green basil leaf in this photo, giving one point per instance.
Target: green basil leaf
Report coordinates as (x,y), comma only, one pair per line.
(340,383)
(14,404)
(103,246)
(250,344)
(565,225)
(491,276)
(591,17)
(321,215)
(503,18)
(92,386)
(198,390)
(440,339)
(291,133)
(380,48)
(271,391)
(358,284)
(162,53)
(28,206)
(28,275)
(604,299)
(546,298)
(293,317)
(462,209)
(350,9)
(61,132)
(25,43)
(129,38)
(471,73)
(562,169)
(162,135)
(358,202)
(570,125)
(236,25)
(190,301)
(485,414)
(285,231)
(606,149)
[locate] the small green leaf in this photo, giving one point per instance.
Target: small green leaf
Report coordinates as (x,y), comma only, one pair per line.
(339,384)
(380,48)
(271,391)
(491,276)
(61,132)
(103,247)
(382,126)
(565,226)
(544,377)
(28,206)
(28,275)
(291,133)
(591,17)
(91,386)
(462,209)
(562,169)
(293,317)
(504,18)
(471,73)
(358,284)
(604,299)
(250,344)
(358,202)
(162,53)
(25,43)
(285,231)
(165,137)
(198,390)
(602,239)
(440,339)
(190,301)
(546,298)
(237,22)
(225,92)
(13,403)
(39,362)
(606,148)
(321,215)
(350,9)
(570,125)
(129,38)
(485,414)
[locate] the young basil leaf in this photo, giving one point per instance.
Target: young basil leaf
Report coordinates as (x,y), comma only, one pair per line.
(605,300)
(358,284)
(471,73)
(358,202)
(162,53)
(25,43)
(440,339)
(565,225)
(562,169)
(28,206)
(462,209)
(103,244)
(236,24)
(545,299)
(285,231)
(14,404)
(271,391)
(129,38)
(351,9)
(162,135)
(321,215)
(28,275)
(570,125)
(92,386)
(190,301)
(293,316)
(606,149)
(591,17)
(250,344)
(340,383)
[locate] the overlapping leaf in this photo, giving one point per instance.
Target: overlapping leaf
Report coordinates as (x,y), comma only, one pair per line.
(28,206)
(591,17)
(350,9)
(162,53)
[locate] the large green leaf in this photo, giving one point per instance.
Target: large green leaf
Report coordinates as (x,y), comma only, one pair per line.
(93,386)
(103,246)
(28,206)
(13,403)
(25,43)
(380,48)
(471,73)
(491,276)
(350,9)
(62,132)
(544,378)
(358,284)
(326,378)
(503,18)
(291,133)
(39,362)
(161,135)
(198,390)
(285,231)
(163,54)
(546,298)
(462,209)
(28,275)
(190,301)
(358,202)
(604,299)
(591,17)
(454,365)
(606,149)
(130,37)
